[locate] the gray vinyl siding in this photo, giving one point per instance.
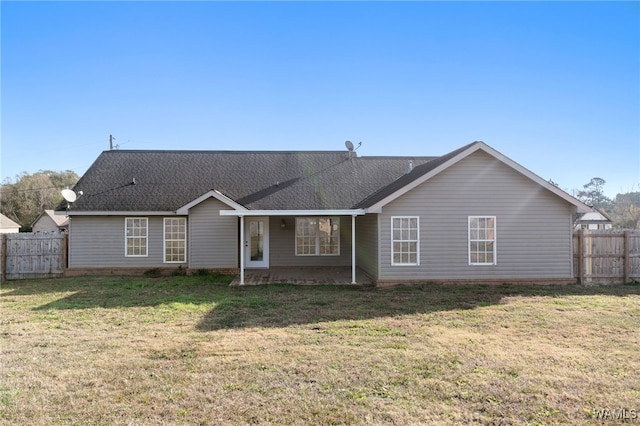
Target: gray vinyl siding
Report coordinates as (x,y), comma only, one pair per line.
(533,234)
(367,243)
(213,239)
(282,245)
(99,242)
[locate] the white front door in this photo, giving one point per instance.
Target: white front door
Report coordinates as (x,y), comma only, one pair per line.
(256,236)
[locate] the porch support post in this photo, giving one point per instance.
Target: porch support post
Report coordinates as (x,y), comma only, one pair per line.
(241,250)
(353,249)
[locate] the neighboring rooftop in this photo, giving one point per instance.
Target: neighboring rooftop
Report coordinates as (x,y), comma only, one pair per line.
(58,220)
(6,223)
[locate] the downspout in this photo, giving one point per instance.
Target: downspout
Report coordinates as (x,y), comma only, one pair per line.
(241,250)
(353,249)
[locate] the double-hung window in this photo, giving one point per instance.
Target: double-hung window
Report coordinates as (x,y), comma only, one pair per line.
(136,231)
(405,242)
(175,239)
(317,236)
(482,240)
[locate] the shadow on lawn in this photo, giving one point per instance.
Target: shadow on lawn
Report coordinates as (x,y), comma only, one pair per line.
(283,305)
(121,291)
(278,305)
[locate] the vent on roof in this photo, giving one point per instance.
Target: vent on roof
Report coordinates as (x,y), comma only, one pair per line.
(410,168)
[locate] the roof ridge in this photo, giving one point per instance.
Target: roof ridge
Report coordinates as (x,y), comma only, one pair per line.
(382,157)
(214,151)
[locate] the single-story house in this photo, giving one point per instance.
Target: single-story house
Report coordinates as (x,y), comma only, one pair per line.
(8,226)
(593,220)
(470,215)
(48,221)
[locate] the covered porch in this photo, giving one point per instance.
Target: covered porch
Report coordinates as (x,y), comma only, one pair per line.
(255,249)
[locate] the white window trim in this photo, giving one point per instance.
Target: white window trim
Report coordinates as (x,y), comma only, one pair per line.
(317,236)
(417,263)
(164,240)
(126,238)
(495,241)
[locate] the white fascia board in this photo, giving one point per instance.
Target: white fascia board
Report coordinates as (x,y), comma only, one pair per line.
(118,213)
(581,207)
(211,194)
(345,212)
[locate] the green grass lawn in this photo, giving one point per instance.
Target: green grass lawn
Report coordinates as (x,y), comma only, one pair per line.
(192,350)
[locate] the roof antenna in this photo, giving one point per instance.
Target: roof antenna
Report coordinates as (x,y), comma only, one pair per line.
(111,146)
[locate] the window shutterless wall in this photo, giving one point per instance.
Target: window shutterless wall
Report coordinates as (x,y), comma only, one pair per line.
(533,227)
(99,242)
(282,245)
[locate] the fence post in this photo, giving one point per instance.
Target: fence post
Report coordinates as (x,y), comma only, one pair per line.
(627,257)
(581,256)
(65,254)
(3,257)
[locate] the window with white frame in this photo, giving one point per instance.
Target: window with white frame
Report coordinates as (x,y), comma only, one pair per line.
(136,231)
(405,240)
(317,236)
(482,240)
(175,239)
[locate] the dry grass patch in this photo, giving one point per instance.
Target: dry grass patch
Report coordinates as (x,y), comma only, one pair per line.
(191,350)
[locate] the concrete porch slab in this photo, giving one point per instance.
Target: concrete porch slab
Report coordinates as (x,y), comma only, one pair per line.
(303,276)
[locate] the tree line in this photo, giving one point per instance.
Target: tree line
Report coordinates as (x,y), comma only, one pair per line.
(31,194)
(623,210)
(24,200)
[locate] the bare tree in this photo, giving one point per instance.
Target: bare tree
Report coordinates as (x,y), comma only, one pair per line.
(626,210)
(25,199)
(593,194)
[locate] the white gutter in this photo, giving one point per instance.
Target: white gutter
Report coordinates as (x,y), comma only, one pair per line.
(241,250)
(344,212)
(353,249)
(115,213)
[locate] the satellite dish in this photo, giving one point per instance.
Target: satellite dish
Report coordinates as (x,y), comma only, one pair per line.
(349,145)
(69,195)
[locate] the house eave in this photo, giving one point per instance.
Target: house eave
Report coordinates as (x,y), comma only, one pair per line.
(329,212)
(118,213)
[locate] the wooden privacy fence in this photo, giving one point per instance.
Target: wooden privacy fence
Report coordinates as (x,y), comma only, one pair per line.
(607,257)
(33,255)
(610,256)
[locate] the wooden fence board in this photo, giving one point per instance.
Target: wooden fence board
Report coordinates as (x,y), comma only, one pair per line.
(607,256)
(33,255)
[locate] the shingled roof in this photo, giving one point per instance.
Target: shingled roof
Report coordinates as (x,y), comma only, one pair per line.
(419,171)
(166,181)
(126,180)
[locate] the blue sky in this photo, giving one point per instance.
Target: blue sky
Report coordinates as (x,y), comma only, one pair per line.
(555,86)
